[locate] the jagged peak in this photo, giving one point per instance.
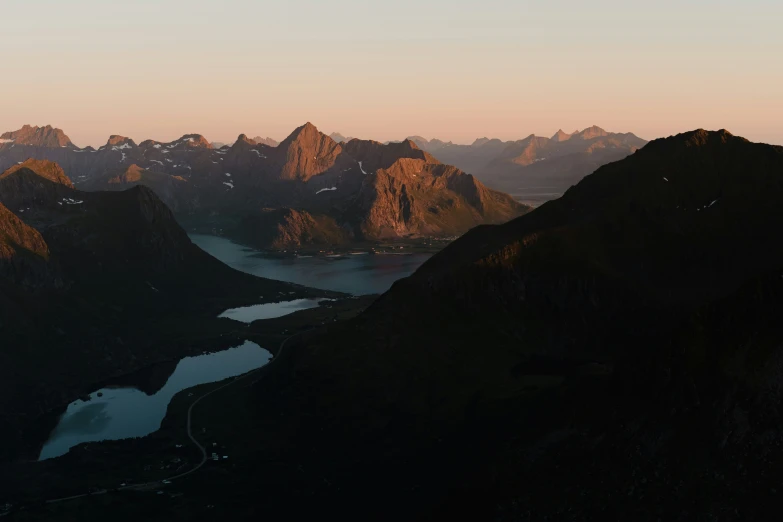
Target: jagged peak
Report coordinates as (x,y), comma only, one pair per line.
(410,143)
(376,155)
(305,132)
(561,135)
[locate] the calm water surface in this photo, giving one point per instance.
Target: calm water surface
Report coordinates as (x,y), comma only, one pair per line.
(248,314)
(122,413)
(355,274)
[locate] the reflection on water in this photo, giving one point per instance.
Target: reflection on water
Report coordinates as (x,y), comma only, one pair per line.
(248,314)
(122,413)
(91,419)
(353,274)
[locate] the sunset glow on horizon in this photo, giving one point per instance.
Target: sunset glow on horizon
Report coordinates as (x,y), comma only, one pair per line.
(454,70)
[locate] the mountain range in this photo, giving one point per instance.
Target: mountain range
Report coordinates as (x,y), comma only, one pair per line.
(345,192)
(535,168)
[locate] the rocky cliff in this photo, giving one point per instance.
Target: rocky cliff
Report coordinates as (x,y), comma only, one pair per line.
(415,198)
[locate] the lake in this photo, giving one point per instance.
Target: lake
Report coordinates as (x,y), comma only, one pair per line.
(353,274)
(248,314)
(125,412)
(121,413)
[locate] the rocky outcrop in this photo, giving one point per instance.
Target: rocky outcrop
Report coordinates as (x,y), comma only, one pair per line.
(286,228)
(37,137)
(375,155)
(120,141)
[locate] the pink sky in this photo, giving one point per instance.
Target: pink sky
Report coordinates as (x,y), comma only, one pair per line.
(452,70)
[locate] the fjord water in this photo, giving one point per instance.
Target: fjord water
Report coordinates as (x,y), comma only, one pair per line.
(126,412)
(353,274)
(248,314)
(121,413)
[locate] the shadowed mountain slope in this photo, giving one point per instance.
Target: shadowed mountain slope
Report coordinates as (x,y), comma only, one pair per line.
(625,331)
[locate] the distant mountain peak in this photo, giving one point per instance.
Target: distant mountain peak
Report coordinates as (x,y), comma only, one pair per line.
(118,141)
(429,145)
(308,131)
(271,142)
(410,143)
(47,136)
(244,139)
(561,136)
(339,138)
(307,152)
(195,140)
(591,132)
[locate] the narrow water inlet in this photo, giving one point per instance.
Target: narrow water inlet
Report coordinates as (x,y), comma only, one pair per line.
(248,314)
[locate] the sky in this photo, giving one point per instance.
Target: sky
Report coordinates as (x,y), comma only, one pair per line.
(452,69)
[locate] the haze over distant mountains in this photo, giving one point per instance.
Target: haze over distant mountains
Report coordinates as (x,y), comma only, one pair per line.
(519,167)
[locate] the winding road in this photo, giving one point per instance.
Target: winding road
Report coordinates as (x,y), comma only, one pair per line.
(189,432)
